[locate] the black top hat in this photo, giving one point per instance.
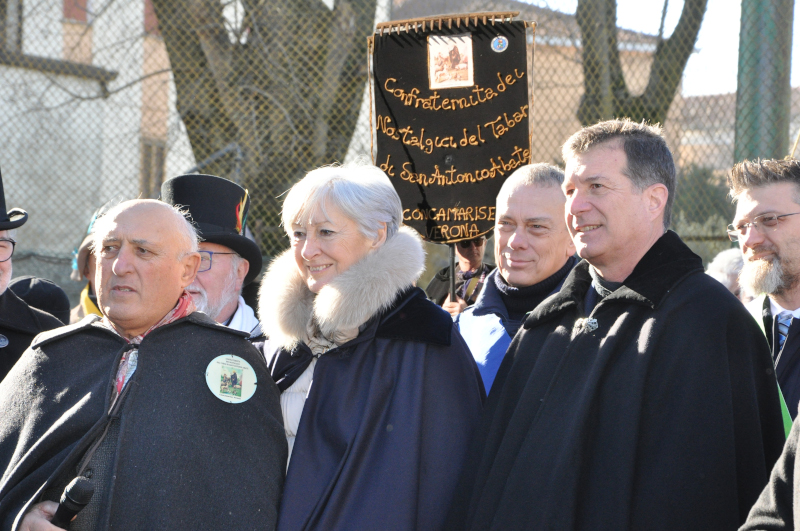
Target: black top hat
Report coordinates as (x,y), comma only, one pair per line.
(219,210)
(16,217)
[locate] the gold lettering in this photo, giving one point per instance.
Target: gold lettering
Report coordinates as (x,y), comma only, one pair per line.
(388,168)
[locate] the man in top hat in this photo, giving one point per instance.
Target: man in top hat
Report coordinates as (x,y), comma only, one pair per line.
(19,323)
(229,260)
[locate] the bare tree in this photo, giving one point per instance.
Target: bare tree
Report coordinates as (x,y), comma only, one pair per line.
(606,94)
(284,86)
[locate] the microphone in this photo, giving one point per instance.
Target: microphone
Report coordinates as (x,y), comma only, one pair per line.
(76,496)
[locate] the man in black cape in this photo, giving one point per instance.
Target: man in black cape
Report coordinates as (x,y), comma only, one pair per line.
(134,403)
(642,394)
(19,322)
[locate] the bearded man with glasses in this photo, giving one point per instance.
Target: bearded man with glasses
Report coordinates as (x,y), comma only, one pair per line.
(767,228)
(228,259)
(19,322)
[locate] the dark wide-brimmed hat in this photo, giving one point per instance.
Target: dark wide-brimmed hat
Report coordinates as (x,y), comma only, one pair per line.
(219,210)
(16,217)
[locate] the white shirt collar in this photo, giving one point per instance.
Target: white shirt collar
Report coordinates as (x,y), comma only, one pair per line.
(776,309)
(245,319)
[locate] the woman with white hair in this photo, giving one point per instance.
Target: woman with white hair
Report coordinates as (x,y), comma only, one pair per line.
(378,440)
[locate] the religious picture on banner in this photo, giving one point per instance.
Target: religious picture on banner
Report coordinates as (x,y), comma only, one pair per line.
(450,62)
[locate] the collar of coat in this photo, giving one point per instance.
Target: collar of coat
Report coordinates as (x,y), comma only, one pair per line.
(369,287)
(95,322)
(668,262)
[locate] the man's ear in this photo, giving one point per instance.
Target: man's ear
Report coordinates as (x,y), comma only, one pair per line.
(190,263)
(241,272)
(571,249)
(656,196)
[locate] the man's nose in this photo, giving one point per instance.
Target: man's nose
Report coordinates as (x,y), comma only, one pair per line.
(123,262)
(751,237)
(517,239)
(577,203)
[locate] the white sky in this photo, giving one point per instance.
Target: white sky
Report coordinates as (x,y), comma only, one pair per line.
(712,69)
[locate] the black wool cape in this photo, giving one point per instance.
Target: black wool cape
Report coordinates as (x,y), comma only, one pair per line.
(20,323)
(660,413)
(778,507)
(184,460)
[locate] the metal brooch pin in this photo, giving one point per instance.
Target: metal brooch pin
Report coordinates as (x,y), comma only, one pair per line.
(591,324)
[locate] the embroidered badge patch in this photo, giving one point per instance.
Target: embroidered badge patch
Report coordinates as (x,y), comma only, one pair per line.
(499,44)
(231,379)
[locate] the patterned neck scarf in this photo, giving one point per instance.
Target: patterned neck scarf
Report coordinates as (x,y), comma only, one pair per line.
(184,307)
(130,359)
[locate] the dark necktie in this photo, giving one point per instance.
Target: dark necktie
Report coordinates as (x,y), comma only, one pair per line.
(783,321)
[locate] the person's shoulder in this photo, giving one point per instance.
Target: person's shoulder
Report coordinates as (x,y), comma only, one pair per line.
(703,290)
(469,318)
(47,321)
(206,326)
(415,318)
(701,300)
(63,332)
(16,314)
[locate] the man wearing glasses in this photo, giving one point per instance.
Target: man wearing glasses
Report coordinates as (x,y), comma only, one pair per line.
(19,323)
(229,260)
(471,273)
(641,395)
(767,228)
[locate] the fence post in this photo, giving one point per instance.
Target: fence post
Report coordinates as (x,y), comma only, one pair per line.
(763,93)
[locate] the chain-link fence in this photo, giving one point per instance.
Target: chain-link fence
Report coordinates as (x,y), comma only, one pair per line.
(108,98)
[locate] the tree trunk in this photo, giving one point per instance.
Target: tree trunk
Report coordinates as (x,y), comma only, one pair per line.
(288,94)
(606,94)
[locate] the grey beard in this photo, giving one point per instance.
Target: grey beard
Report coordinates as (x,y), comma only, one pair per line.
(770,277)
(214,308)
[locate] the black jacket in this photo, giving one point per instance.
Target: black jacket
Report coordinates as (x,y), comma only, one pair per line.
(184,459)
(775,508)
(20,323)
(658,411)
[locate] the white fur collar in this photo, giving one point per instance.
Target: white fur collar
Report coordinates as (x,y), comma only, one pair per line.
(286,305)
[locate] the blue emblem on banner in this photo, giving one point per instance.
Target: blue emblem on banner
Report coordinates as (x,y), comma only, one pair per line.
(499,44)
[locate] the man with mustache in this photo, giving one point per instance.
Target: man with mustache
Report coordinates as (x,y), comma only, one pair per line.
(534,253)
(229,260)
(766,226)
(135,401)
(642,394)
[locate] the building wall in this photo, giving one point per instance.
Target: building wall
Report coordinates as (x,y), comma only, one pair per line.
(50,150)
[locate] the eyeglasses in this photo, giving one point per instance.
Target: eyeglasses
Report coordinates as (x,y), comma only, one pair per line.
(466,244)
(206,258)
(763,224)
(6,249)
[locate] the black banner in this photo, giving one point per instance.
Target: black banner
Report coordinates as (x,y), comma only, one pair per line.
(451,115)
